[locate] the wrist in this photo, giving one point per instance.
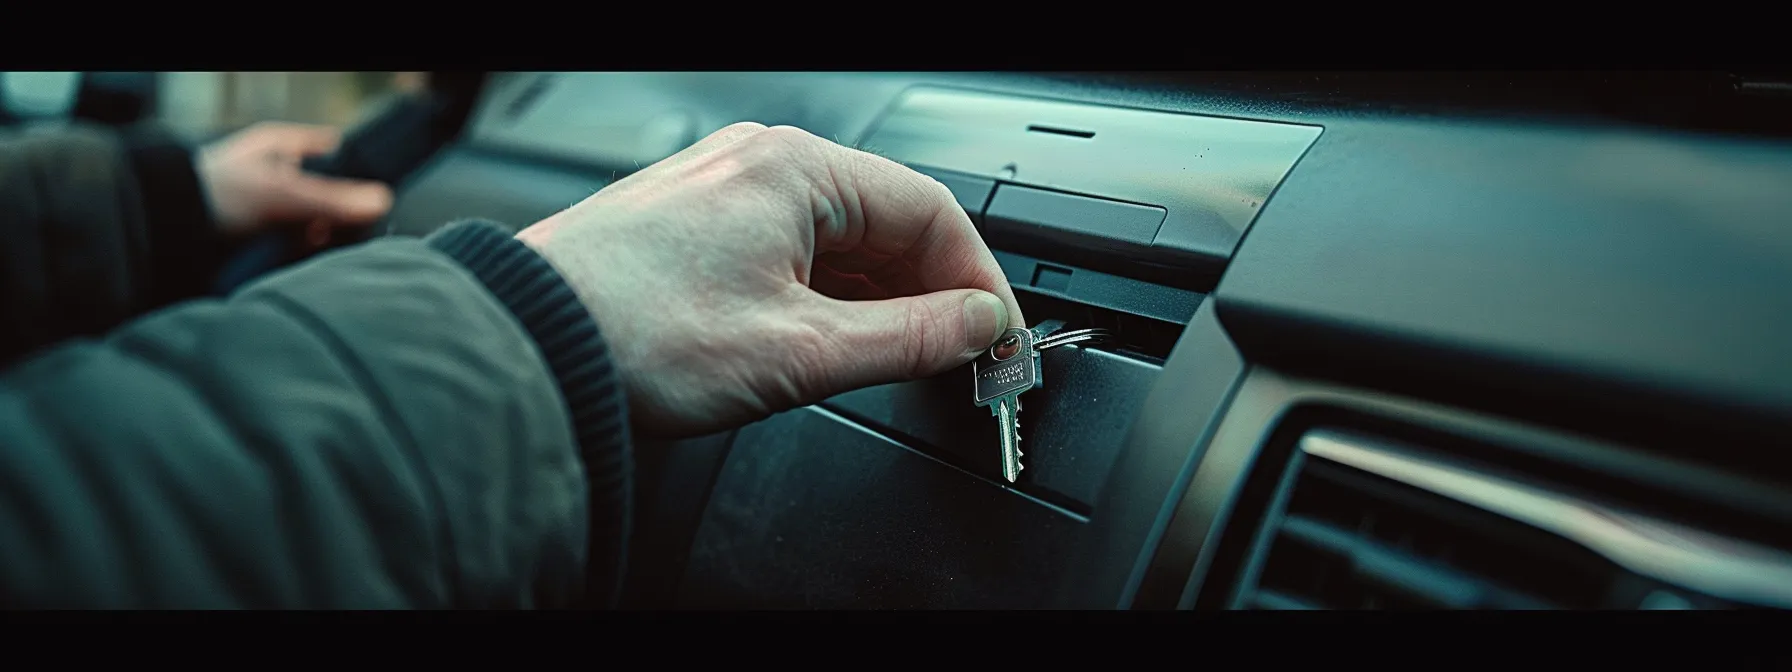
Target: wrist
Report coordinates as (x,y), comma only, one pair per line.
(574,350)
(232,212)
(184,247)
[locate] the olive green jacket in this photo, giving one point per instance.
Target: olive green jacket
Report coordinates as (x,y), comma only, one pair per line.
(408,423)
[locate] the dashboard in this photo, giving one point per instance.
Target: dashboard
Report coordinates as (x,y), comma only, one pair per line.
(1366,355)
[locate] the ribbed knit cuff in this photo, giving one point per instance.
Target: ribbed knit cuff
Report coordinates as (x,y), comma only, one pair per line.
(575,352)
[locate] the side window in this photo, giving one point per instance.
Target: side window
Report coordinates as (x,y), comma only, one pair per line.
(213,103)
(197,104)
(38,95)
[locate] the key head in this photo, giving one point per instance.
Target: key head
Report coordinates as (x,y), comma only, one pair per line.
(1009,368)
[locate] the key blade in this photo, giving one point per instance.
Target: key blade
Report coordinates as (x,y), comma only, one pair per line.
(1010,429)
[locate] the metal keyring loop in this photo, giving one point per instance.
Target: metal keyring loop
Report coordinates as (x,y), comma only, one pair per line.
(1096,335)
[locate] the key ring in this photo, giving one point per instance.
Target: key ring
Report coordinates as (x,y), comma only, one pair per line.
(1077,336)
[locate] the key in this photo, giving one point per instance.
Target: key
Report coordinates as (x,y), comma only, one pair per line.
(1011,368)
(1006,370)
(1044,330)
(1048,340)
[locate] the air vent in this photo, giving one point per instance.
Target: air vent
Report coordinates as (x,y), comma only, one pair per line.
(1348,540)
(1358,525)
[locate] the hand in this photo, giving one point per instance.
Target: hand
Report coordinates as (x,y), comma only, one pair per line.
(253,182)
(764,269)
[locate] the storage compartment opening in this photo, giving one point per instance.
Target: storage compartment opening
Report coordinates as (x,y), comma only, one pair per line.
(1133,335)
(1072,427)
(1078,255)
(1147,318)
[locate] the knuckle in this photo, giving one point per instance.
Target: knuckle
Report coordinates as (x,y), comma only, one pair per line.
(740,128)
(787,129)
(782,157)
(943,195)
(795,137)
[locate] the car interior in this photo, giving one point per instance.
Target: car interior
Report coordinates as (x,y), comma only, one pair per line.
(1379,340)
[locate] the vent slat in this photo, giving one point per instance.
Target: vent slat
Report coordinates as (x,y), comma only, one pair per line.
(1426,583)
(1272,600)
(1348,539)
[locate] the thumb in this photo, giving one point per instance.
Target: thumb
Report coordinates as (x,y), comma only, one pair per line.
(342,201)
(905,338)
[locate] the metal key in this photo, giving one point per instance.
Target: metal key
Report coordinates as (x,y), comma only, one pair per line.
(1002,374)
(1010,368)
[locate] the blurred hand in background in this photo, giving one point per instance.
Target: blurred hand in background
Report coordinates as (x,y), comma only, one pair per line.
(254,183)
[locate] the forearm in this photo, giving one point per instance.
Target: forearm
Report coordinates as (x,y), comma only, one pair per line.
(384,427)
(570,342)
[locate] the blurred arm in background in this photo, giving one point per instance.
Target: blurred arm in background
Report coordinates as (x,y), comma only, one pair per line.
(102,225)
(391,427)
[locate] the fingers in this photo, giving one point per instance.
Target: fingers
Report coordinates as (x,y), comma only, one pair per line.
(341,201)
(317,234)
(846,285)
(300,139)
(910,337)
(900,227)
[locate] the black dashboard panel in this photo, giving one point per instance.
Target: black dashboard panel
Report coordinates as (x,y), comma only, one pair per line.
(1205,548)
(1076,427)
(1600,278)
(816,511)
(623,121)
(1147,186)
(465,182)
(1512,289)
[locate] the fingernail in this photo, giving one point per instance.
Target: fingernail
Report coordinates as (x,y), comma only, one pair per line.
(379,198)
(985,318)
(371,203)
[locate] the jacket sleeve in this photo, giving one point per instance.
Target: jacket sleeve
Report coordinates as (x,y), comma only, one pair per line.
(405,424)
(98,226)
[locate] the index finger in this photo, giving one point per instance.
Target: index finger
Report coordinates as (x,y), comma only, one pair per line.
(304,139)
(896,214)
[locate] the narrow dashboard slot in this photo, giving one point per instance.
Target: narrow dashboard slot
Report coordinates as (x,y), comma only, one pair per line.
(1134,336)
(1097,290)
(1036,128)
(1051,278)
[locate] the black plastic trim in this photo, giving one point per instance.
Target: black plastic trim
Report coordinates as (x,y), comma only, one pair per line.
(1205,546)
(1104,290)
(1163,447)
